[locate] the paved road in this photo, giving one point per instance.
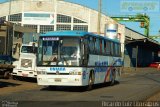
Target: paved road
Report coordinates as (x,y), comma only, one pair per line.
(136,86)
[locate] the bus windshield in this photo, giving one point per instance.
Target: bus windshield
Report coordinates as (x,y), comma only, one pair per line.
(28,49)
(61,51)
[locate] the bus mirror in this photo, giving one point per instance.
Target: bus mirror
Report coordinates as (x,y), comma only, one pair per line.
(34,48)
(81,39)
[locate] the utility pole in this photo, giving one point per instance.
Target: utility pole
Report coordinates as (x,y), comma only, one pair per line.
(99,16)
(8,29)
(136,58)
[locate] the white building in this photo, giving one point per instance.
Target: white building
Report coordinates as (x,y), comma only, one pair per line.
(49,15)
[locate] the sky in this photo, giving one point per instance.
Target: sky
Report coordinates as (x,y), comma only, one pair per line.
(116,8)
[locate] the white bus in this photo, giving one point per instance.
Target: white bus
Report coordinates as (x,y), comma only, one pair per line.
(75,58)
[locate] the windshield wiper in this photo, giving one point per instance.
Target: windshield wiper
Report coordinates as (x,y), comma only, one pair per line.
(64,59)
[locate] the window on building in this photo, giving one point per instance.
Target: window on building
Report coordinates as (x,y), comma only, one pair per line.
(63,19)
(80,27)
(31,26)
(44,15)
(15,17)
(46,28)
(75,20)
(63,27)
(19,24)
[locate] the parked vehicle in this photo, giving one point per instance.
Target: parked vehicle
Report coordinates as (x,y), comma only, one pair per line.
(11,38)
(154,64)
(6,66)
(26,65)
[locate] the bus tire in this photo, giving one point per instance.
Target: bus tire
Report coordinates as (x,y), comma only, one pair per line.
(90,81)
(14,77)
(6,75)
(20,78)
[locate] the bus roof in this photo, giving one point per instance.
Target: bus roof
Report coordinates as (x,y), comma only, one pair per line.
(64,33)
(73,34)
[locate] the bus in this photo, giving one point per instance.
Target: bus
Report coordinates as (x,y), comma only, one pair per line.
(77,58)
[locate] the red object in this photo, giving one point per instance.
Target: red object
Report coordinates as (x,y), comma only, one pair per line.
(154,64)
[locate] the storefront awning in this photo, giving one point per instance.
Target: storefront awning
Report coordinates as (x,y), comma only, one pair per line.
(145,42)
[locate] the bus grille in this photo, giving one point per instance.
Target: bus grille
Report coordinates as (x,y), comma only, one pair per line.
(26,63)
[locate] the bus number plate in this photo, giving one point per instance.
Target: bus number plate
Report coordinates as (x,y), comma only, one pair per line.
(25,75)
(57,80)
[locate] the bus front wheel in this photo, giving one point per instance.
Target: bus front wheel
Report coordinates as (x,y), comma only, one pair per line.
(90,81)
(14,77)
(7,75)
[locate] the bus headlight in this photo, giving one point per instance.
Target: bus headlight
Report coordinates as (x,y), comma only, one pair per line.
(43,72)
(75,73)
(38,72)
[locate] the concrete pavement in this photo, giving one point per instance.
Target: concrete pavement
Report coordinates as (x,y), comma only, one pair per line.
(132,71)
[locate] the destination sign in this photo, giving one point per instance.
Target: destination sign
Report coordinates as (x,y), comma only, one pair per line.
(50,38)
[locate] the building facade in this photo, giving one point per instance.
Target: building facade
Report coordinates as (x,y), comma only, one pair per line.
(46,15)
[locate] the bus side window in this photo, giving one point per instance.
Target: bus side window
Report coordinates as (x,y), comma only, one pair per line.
(97,46)
(119,49)
(85,49)
(116,49)
(100,44)
(108,48)
(94,44)
(104,50)
(112,49)
(91,45)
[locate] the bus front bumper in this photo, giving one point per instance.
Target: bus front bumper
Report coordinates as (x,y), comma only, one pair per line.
(60,80)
